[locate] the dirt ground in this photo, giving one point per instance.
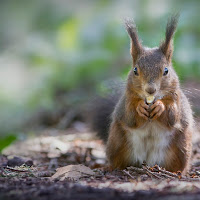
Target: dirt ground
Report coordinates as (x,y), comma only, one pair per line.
(26,167)
(52,148)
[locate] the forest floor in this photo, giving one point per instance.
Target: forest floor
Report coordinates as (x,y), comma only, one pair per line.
(52,149)
(27,167)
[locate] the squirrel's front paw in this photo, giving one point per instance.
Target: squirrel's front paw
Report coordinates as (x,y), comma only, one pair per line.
(157,109)
(142,109)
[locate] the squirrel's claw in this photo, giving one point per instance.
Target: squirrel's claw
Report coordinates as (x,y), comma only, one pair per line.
(142,110)
(157,109)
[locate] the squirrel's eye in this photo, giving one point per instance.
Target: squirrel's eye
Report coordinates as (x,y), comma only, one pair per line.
(165,71)
(135,71)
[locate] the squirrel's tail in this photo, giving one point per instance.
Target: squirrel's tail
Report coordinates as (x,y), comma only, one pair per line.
(100,115)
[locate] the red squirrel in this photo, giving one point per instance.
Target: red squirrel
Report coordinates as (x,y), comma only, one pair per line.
(152,120)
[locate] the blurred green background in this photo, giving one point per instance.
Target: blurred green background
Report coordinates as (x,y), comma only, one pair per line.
(56,54)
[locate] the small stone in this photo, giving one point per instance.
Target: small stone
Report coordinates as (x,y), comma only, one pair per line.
(18,161)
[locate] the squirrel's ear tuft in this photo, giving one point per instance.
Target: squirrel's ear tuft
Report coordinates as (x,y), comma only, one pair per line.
(136,47)
(167,45)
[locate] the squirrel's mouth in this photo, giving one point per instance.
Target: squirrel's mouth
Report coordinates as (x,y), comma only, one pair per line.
(152,98)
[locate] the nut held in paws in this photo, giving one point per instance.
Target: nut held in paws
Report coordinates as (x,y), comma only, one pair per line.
(150,99)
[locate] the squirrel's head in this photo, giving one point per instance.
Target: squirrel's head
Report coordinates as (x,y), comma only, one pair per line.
(152,73)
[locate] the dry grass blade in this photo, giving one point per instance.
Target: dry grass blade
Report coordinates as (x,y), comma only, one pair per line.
(15,170)
(127,172)
(18,171)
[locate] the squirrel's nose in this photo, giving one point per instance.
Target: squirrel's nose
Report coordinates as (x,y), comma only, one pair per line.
(150,90)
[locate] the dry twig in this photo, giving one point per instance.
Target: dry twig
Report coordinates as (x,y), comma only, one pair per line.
(151,174)
(136,169)
(127,172)
(158,173)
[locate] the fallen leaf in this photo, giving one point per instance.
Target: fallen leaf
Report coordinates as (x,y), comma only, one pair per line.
(72,172)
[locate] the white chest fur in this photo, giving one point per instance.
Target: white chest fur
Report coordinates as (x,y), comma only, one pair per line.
(149,143)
